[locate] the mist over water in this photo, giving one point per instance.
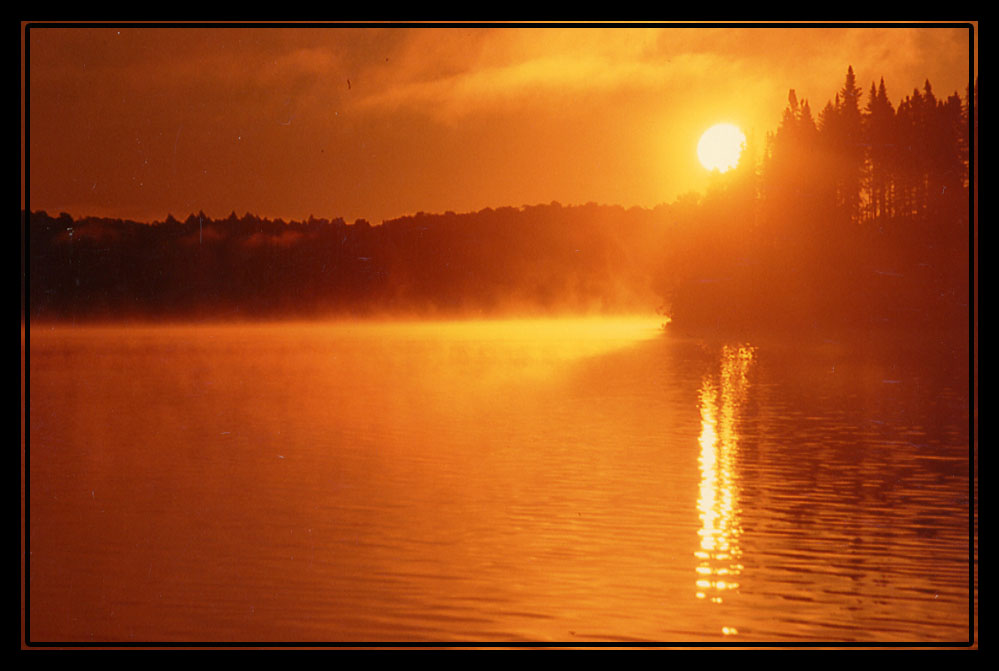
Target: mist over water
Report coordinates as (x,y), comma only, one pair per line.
(517,480)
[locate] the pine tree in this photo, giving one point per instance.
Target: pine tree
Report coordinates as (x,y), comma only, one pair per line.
(878,123)
(851,149)
(908,161)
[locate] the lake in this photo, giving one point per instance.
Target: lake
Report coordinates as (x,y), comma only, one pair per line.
(495,481)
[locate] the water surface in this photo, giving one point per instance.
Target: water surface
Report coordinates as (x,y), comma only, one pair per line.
(493,481)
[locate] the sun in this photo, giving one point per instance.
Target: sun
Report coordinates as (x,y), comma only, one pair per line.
(720,147)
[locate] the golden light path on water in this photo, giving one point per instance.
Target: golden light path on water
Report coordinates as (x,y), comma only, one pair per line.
(515,480)
(718,503)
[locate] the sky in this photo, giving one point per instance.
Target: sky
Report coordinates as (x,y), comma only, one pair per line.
(376,123)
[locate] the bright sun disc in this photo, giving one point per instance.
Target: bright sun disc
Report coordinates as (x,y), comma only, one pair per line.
(720,147)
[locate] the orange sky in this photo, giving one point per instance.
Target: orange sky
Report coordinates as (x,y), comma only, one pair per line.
(378,123)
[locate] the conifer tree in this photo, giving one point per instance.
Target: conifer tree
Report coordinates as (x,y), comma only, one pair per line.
(851,146)
(878,129)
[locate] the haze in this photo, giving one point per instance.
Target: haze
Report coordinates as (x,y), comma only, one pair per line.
(378,123)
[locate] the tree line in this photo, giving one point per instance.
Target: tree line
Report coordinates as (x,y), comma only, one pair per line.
(870,162)
(855,217)
(542,258)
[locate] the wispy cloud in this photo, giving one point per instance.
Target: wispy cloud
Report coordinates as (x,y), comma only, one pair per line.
(517,70)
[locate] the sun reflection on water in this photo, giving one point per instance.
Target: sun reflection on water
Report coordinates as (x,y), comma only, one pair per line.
(719,554)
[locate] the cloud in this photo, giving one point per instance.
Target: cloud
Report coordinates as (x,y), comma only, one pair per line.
(525,68)
(556,75)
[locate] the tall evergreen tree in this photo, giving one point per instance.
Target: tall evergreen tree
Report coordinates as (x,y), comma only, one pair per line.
(908,160)
(851,146)
(878,123)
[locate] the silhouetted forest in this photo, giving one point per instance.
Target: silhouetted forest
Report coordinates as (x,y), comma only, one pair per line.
(532,259)
(858,216)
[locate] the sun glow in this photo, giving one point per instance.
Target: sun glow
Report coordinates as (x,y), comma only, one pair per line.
(720,147)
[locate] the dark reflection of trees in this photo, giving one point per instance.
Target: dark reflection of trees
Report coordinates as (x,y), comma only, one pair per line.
(832,475)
